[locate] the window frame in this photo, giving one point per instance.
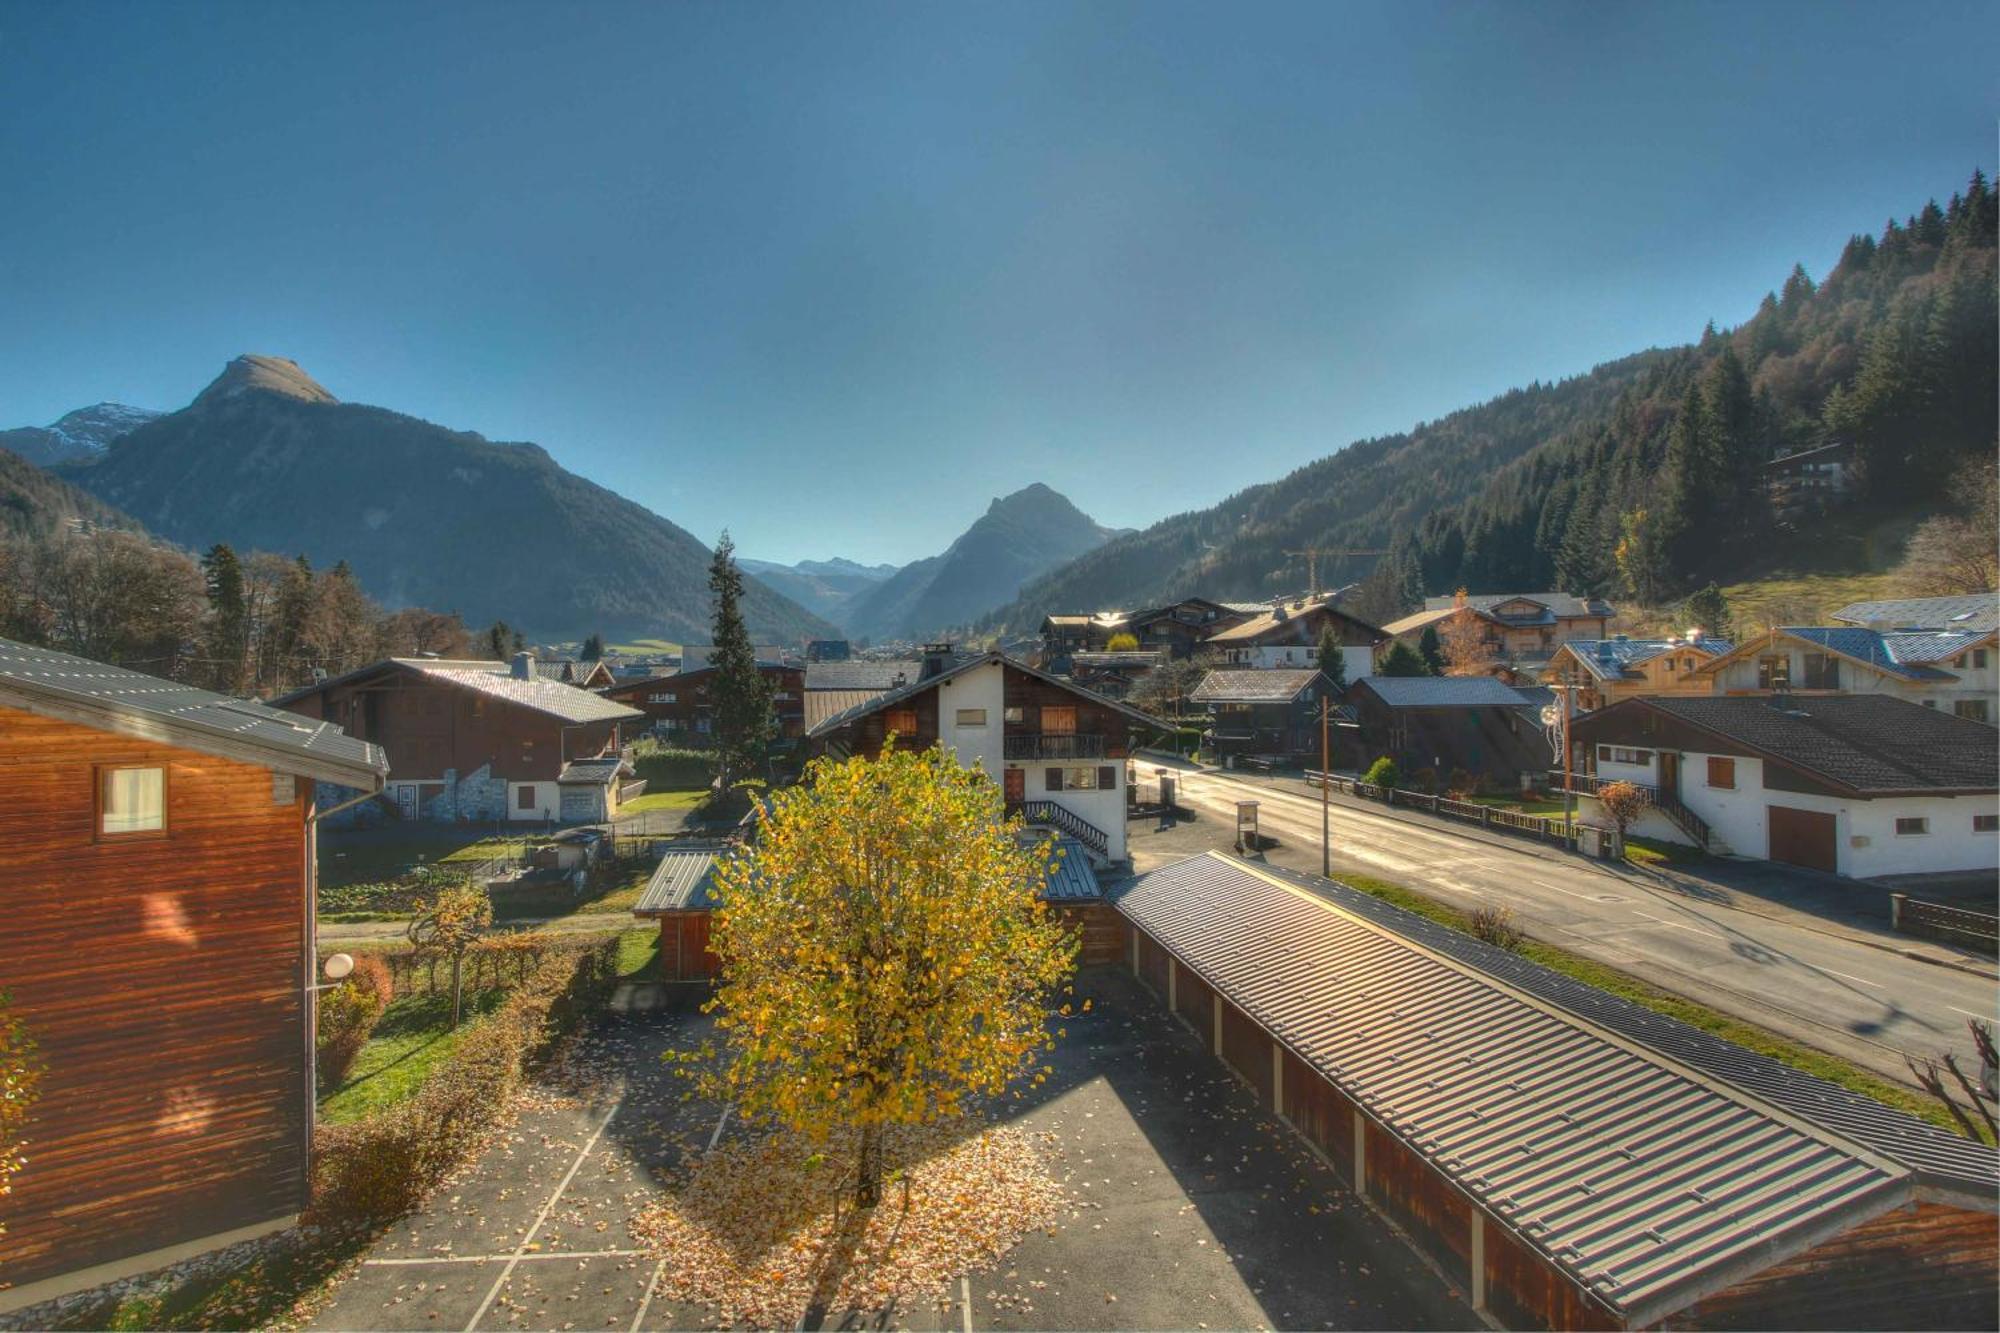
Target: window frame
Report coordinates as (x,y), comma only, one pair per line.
(969,718)
(98,775)
(890,718)
(527,796)
(1922,822)
(1726,765)
(1991,824)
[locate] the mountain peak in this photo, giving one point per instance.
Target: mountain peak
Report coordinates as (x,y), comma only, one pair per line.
(264,374)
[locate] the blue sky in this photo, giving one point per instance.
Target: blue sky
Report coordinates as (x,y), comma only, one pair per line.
(835,275)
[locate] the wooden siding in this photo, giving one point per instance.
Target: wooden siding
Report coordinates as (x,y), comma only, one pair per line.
(1102,929)
(1930,1266)
(1248,1050)
(1031,694)
(162,978)
(684,951)
(691,701)
(1523,1290)
(1192,998)
(1423,1203)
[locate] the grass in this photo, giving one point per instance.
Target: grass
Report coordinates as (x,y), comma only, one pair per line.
(642,648)
(366,857)
(414,1035)
(1648,852)
(1519,806)
(619,885)
(1781,599)
(1748,1035)
(639,954)
(663,800)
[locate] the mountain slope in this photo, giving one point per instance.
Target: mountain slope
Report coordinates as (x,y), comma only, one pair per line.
(266,459)
(34,503)
(1018,537)
(1640,479)
(824,587)
(84,433)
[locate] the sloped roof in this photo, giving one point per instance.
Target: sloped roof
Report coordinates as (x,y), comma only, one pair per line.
(131,703)
(1975,611)
(1924,646)
(1253,687)
(1443,692)
(594,772)
(1131,657)
(1869,744)
(1635,1171)
(1615,659)
(1866,646)
(889,698)
(858,673)
(1276,619)
(496,680)
(682,882)
(1070,879)
(823,704)
(1564,605)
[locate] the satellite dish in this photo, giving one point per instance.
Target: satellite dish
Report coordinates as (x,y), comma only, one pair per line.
(1551,715)
(338,966)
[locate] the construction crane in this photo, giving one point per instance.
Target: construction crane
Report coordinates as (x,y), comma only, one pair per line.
(1313,553)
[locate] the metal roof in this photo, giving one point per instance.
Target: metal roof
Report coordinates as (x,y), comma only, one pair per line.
(1639,1176)
(1610,659)
(593,772)
(823,704)
(1976,611)
(683,881)
(76,689)
(568,702)
(1443,692)
(1070,879)
(861,674)
(835,721)
(1276,686)
(1862,645)
(1921,646)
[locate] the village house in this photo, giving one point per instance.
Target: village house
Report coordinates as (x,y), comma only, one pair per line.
(695,656)
(592,675)
(1603,671)
(1853,784)
(1114,674)
(1566,1157)
(835,687)
(1288,635)
(1978,612)
(1177,629)
(479,741)
(1516,631)
(1272,713)
(157,847)
(1955,670)
(1472,725)
(1057,750)
(1806,483)
(678,709)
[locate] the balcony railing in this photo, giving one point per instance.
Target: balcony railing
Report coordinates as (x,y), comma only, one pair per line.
(1053,745)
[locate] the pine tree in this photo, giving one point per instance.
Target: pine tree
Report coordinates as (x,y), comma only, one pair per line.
(1431,649)
(744,722)
(1708,611)
(593,648)
(1402,660)
(500,640)
(1332,662)
(292,618)
(227,641)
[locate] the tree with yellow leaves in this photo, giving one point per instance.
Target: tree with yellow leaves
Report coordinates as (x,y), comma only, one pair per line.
(886,957)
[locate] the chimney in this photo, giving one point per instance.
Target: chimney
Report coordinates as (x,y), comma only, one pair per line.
(524,666)
(937,656)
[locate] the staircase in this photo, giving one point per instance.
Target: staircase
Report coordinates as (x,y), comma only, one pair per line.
(1687,821)
(1050,815)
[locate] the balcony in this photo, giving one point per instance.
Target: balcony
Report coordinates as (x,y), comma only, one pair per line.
(1052,745)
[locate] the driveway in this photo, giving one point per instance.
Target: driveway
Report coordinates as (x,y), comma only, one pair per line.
(1192,1207)
(1753,948)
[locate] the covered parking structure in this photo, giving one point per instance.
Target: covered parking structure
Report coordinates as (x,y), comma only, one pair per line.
(1568,1158)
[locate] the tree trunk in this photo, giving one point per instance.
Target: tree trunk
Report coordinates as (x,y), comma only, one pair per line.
(455,959)
(868,1188)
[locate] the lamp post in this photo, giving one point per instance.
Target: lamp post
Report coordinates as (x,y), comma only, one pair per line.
(1326,724)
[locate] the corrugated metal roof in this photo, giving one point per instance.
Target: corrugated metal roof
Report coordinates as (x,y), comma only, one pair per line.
(193,718)
(681,882)
(1070,879)
(1443,692)
(593,772)
(1978,611)
(823,704)
(1275,686)
(543,696)
(1634,1174)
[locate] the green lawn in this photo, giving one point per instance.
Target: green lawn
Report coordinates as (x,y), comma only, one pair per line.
(1518,805)
(663,800)
(642,648)
(414,1035)
(372,856)
(1831,1068)
(618,887)
(639,954)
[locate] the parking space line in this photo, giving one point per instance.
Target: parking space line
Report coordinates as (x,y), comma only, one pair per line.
(495,1258)
(965,1301)
(543,1216)
(646,1302)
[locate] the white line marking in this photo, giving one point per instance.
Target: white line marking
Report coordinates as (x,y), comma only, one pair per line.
(1969,1014)
(1557,888)
(543,1216)
(495,1258)
(647,1303)
(965,1301)
(1849,976)
(1676,925)
(720,1121)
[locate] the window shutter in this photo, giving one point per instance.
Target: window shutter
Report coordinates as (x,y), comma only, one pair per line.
(1053,779)
(1107,778)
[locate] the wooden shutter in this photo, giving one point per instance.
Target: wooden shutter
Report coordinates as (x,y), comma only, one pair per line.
(1107,778)
(1053,779)
(1059,721)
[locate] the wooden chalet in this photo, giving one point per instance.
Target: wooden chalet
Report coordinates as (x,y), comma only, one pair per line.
(1604,671)
(157,853)
(1272,714)
(476,740)
(1517,630)
(1057,749)
(1474,725)
(1288,635)
(678,707)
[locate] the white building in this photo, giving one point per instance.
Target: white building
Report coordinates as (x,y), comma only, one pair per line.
(1863,785)
(1953,670)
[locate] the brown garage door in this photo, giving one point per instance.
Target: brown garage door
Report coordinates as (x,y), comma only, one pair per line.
(1802,837)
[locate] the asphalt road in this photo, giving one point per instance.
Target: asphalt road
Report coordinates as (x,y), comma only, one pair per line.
(1825,989)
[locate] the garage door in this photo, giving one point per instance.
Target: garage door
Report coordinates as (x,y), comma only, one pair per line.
(1802,838)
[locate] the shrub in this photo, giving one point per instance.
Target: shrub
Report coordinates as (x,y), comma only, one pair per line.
(348,1013)
(1423,780)
(666,768)
(395,897)
(1383,773)
(1122,643)
(382,1167)
(1461,784)
(1496,926)
(1624,802)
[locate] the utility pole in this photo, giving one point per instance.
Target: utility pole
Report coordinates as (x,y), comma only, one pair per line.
(1313,553)
(1325,790)
(1569,786)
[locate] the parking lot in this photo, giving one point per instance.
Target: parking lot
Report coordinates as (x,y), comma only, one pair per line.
(1191,1207)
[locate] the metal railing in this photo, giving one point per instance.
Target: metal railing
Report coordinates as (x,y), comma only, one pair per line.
(1540,827)
(1067,820)
(1668,804)
(1052,745)
(1958,925)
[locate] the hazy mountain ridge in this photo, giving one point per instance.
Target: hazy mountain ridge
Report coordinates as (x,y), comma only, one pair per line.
(266,459)
(824,587)
(82,434)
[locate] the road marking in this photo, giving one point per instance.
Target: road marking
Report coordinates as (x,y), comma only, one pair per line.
(1557,888)
(1849,976)
(647,1303)
(543,1216)
(495,1258)
(720,1121)
(1969,1014)
(965,1301)
(1675,925)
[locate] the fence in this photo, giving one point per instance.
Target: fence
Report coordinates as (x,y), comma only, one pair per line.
(1539,827)
(1955,925)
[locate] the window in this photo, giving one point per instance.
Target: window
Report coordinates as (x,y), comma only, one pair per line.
(1722,773)
(662,698)
(1081,779)
(971,717)
(524,796)
(1619,754)
(1910,826)
(1822,671)
(1059,721)
(131,800)
(1015,714)
(1986,823)
(1979,659)
(902,721)
(1972,708)
(1771,671)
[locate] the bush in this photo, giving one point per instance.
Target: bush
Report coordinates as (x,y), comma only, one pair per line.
(391,897)
(1383,773)
(1461,784)
(1423,780)
(1496,926)
(348,1013)
(666,768)
(382,1167)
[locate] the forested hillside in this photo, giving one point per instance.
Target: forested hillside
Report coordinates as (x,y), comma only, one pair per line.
(1640,479)
(35,504)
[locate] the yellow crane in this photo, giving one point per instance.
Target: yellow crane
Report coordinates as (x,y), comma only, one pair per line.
(1313,553)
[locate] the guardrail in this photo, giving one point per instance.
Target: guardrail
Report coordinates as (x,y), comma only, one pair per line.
(1539,827)
(1061,817)
(1956,925)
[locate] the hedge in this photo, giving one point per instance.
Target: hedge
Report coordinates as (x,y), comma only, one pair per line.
(382,1167)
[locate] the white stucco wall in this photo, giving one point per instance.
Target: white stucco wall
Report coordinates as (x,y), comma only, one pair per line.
(548,801)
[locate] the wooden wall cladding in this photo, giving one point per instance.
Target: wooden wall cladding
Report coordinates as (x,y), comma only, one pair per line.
(1102,929)
(161,977)
(1192,998)
(1247,1049)
(1437,1216)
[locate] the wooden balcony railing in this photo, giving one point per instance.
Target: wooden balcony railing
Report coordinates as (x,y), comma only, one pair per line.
(1053,745)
